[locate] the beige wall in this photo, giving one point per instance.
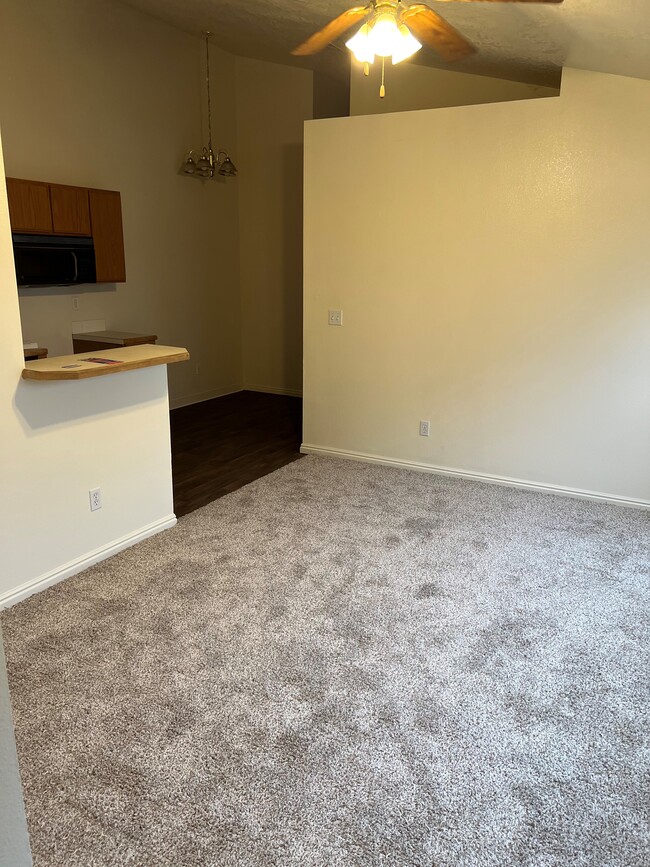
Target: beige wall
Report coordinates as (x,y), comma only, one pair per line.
(410,87)
(97,94)
(273,102)
(497,282)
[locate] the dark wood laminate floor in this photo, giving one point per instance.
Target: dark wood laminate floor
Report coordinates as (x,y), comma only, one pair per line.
(222,444)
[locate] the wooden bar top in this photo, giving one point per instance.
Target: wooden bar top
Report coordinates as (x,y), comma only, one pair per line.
(78,367)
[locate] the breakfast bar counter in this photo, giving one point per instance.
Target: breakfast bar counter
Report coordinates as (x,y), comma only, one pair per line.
(102,363)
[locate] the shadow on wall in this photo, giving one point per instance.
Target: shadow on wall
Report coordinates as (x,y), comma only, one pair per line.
(57,291)
(331,94)
(42,406)
(292,211)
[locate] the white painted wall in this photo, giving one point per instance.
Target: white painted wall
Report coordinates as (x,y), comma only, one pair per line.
(495,279)
(273,101)
(14,840)
(95,93)
(410,87)
(59,440)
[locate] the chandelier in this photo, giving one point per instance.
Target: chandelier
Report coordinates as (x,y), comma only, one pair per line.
(206,163)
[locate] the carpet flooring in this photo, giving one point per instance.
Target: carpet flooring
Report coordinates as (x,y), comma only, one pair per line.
(344,664)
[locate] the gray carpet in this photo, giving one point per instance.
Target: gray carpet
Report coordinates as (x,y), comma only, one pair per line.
(343,664)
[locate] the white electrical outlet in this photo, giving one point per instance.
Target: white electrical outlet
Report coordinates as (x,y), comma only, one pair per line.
(335,317)
(75,303)
(425,428)
(95,499)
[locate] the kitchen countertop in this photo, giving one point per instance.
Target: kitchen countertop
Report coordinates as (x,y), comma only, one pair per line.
(127,338)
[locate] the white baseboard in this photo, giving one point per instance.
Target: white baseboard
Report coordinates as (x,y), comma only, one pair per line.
(201,396)
(271,389)
(11,597)
(308,449)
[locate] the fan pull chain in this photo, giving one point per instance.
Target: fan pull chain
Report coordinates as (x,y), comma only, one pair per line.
(366,69)
(382,89)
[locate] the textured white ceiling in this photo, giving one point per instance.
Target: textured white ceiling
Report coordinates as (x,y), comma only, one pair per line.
(519,41)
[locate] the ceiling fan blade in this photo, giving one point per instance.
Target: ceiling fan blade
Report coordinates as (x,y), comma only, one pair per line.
(434,31)
(332,31)
(506,1)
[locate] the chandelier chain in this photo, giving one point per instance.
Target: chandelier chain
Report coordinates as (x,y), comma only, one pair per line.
(207,82)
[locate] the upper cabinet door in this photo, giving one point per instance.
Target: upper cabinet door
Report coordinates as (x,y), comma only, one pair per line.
(70,210)
(106,220)
(29,206)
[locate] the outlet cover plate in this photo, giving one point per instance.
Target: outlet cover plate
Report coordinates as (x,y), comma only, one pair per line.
(95,497)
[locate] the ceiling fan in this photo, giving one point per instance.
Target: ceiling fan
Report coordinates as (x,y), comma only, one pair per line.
(395,29)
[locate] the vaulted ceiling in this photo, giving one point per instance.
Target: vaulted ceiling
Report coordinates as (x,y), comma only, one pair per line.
(527,42)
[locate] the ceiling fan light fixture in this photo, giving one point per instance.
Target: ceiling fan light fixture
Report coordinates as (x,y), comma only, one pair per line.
(384,34)
(383,37)
(359,45)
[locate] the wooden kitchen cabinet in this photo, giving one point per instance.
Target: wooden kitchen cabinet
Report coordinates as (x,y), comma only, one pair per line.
(29,206)
(106,224)
(70,210)
(42,208)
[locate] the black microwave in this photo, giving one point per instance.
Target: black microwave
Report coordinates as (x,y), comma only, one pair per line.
(53,260)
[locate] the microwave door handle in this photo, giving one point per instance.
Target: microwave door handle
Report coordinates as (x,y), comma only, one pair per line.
(76,266)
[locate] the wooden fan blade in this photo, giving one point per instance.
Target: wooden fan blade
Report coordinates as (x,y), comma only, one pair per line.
(434,31)
(332,31)
(506,1)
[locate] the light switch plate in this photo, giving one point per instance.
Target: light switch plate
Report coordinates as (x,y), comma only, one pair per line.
(335,317)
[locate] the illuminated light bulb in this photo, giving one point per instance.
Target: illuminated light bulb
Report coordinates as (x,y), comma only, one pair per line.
(360,46)
(407,45)
(384,34)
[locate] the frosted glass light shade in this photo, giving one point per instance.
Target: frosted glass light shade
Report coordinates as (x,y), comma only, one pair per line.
(359,45)
(406,46)
(384,35)
(227,169)
(189,166)
(204,161)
